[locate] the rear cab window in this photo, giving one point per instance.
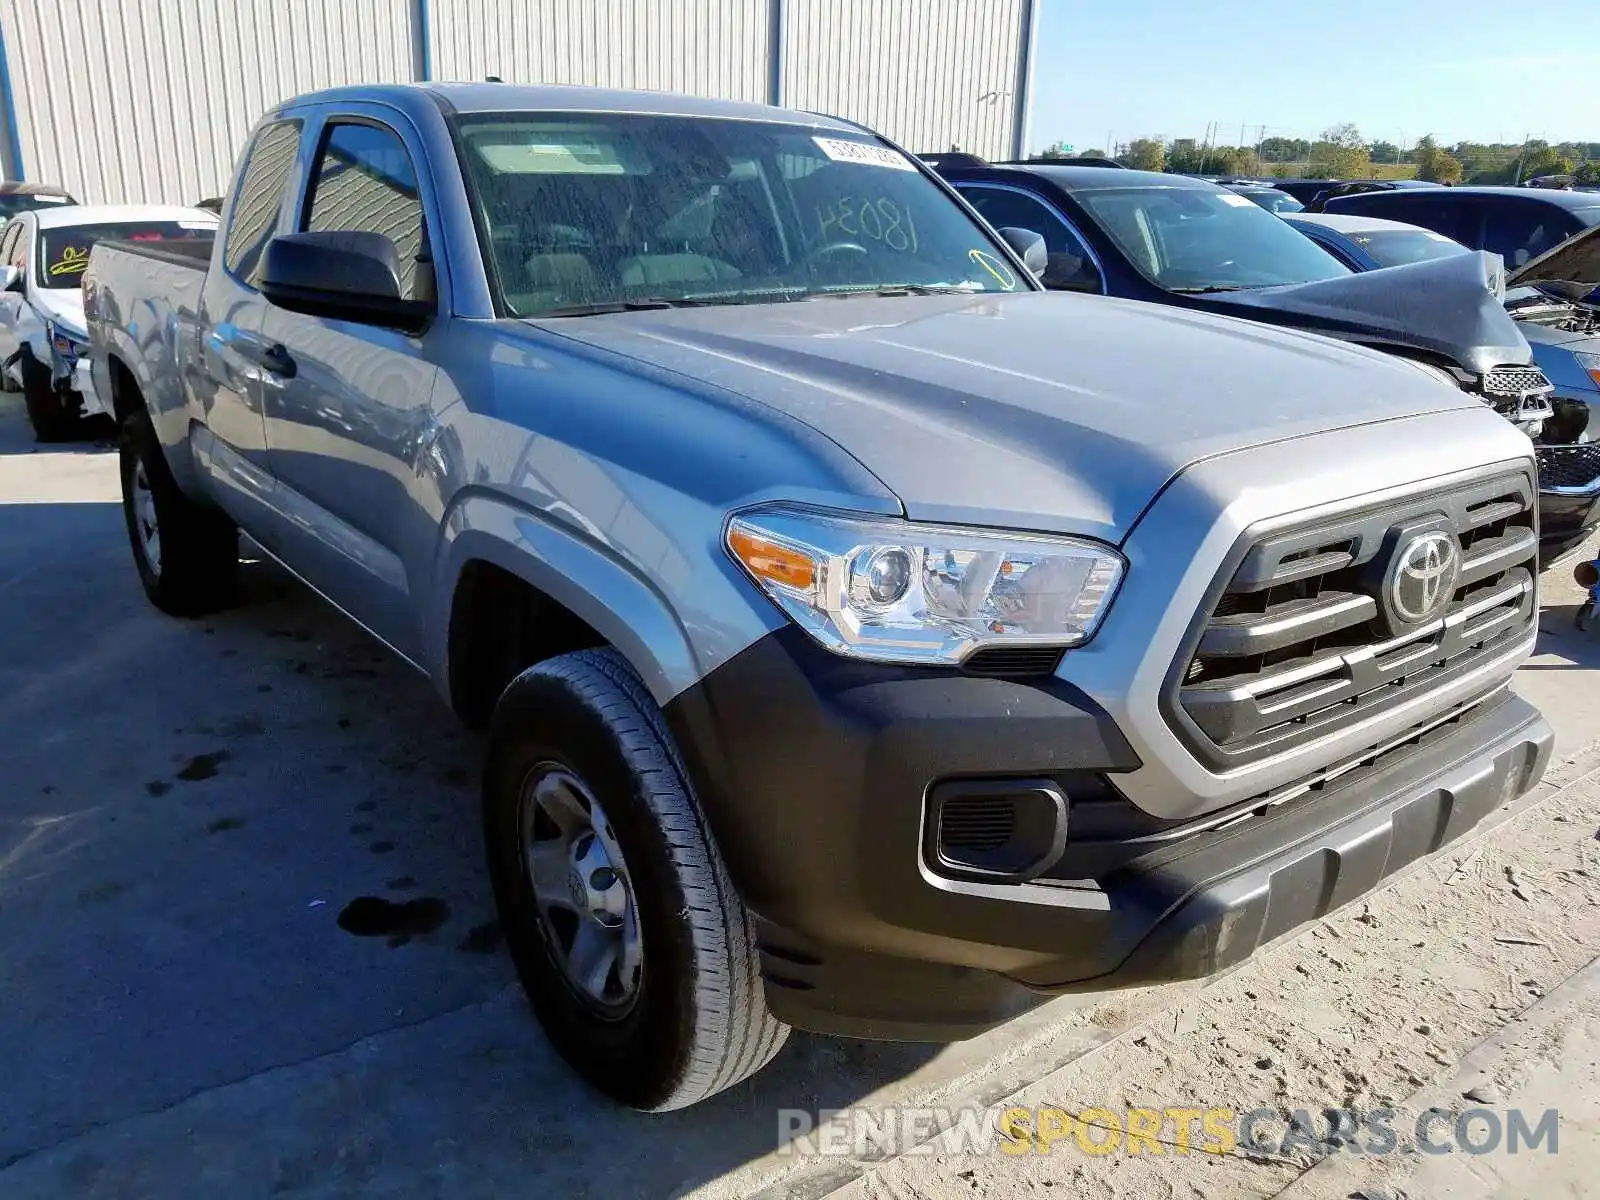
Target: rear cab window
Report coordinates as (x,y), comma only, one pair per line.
(259,197)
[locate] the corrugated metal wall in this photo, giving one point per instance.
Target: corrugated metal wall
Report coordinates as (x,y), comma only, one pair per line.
(144,100)
(150,100)
(931,74)
(704,47)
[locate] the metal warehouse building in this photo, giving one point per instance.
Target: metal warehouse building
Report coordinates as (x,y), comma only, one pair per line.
(149,100)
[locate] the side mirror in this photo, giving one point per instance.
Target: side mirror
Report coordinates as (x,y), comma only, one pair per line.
(10,279)
(346,275)
(1029,246)
(1072,273)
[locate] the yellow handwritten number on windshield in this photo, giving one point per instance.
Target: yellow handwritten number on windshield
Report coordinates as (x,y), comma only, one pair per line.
(73,261)
(995,266)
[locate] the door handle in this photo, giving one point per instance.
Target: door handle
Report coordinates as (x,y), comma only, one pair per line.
(277,359)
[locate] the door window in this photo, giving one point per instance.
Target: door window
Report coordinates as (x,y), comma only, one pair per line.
(1520,232)
(1004,208)
(254,218)
(363,180)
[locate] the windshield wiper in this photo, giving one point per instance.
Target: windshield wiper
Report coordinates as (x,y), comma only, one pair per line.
(617,306)
(896,289)
(1216,287)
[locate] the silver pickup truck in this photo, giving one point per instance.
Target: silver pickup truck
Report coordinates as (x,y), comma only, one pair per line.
(869,640)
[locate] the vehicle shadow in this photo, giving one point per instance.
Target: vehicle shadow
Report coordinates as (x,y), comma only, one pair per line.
(1560,638)
(189,808)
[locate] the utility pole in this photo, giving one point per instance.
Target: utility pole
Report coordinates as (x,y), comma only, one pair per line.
(1521,159)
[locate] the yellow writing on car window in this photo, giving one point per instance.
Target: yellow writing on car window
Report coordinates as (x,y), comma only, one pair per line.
(996,266)
(878,219)
(72,262)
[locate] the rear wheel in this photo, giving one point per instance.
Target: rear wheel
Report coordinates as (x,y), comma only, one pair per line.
(634,949)
(48,413)
(187,553)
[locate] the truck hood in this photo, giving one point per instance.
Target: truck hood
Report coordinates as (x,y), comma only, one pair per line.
(63,306)
(1032,410)
(1448,306)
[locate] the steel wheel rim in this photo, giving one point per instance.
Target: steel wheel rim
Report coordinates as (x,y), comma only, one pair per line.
(581,889)
(145,522)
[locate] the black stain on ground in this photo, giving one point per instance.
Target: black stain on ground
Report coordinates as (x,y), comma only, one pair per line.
(158,787)
(343,722)
(361,827)
(203,766)
(263,688)
(48,789)
(223,824)
(381,847)
(373,916)
(335,768)
(401,883)
(481,939)
(366,806)
(458,776)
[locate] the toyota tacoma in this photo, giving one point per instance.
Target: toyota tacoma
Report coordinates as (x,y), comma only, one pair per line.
(869,640)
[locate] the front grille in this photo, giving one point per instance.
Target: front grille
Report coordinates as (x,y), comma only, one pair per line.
(1569,466)
(1297,644)
(1515,381)
(976,823)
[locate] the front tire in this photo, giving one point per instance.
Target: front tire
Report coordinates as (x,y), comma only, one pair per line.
(52,421)
(635,951)
(187,554)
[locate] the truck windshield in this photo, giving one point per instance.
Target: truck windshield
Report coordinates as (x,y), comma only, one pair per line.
(64,250)
(585,212)
(1189,239)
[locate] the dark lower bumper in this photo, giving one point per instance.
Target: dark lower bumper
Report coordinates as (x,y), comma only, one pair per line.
(1565,519)
(814,773)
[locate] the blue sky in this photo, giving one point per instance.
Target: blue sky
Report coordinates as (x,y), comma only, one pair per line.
(1483,70)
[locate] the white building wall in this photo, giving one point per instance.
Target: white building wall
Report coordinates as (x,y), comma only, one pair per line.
(931,74)
(150,100)
(703,47)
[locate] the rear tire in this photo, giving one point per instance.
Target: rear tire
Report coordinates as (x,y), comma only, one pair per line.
(688,1017)
(52,421)
(187,554)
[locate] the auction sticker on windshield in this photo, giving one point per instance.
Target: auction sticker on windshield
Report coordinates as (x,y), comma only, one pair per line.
(1236,200)
(860,152)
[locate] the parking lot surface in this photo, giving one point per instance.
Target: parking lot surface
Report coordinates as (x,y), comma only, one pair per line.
(249,948)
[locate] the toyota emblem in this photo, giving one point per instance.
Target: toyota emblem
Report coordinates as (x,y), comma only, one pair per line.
(1423,577)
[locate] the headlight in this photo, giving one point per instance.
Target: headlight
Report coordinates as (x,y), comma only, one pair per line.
(897,591)
(1590,363)
(65,345)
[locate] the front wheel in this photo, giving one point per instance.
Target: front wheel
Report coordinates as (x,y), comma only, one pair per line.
(48,413)
(635,951)
(187,554)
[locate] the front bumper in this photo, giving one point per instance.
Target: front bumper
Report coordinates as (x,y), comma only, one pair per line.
(815,773)
(81,381)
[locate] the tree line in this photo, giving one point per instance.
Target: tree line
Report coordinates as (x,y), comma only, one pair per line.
(1343,153)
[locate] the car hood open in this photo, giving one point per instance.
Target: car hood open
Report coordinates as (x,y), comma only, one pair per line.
(1452,307)
(1032,410)
(1570,270)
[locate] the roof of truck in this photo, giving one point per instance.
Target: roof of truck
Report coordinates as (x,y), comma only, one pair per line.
(511,97)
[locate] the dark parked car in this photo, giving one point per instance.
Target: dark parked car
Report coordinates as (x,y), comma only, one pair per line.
(1565,337)
(1518,224)
(1334,188)
(21,197)
(1266,196)
(1180,241)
